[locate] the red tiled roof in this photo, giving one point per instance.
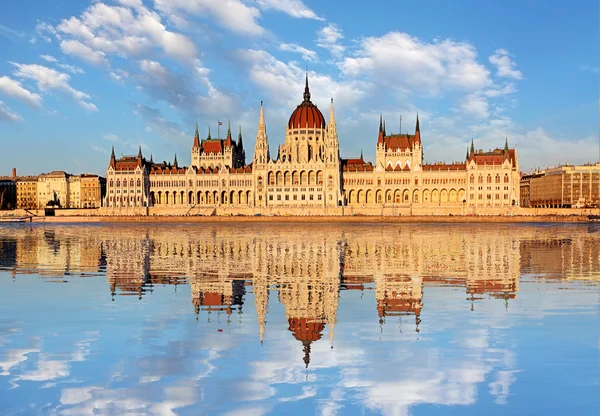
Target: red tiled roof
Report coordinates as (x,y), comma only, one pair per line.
(443,166)
(212,146)
(398,141)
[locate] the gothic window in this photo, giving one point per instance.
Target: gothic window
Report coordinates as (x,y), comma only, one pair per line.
(139,182)
(118,183)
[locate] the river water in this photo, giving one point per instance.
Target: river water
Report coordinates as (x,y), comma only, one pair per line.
(284,318)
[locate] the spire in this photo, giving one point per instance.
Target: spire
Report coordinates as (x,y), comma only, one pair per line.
(331,114)
(208,133)
(506,145)
(196,137)
(261,117)
(467,153)
(361,154)
(175,161)
(417,131)
(228,139)
(306,90)
(381,135)
(139,152)
(472,146)
(151,160)
(239,140)
(112,162)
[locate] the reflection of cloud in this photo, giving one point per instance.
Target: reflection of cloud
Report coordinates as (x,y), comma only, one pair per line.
(500,387)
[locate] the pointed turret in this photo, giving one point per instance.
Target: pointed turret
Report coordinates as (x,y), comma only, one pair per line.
(139,156)
(472,147)
(228,139)
(151,160)
(506,145)
(306,89)
(112,162)
(239,140)
(196,137)
(208,133)
(417,131)
(380,138)
(361,155)
(175,162)
(467,158)
(261,148)
(261,116)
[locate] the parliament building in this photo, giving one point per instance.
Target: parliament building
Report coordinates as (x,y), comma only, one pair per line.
(308,176)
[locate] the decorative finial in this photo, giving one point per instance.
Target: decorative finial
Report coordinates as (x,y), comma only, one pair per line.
(306,89)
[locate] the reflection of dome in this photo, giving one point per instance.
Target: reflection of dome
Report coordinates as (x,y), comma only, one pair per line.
(306,331)
(306,115)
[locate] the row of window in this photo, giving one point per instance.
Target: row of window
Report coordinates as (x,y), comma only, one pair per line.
(489,179)
(488,196)
(295,197)
(124,183)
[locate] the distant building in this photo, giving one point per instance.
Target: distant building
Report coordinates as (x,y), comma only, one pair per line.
(70,191)
(8,191)
(569,186)
(92,188)
(27,192)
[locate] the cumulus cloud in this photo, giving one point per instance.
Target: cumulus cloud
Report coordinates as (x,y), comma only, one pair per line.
(505,65)
(50,79)
(48,58)
(328,37)
(284,82)
(14,89)
(233,15)
(158,123)
(293,8)
(103,30)
(418,65)
(76,48)
(307,54)
(475,105)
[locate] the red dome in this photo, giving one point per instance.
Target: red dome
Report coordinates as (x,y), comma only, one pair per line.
(306,115)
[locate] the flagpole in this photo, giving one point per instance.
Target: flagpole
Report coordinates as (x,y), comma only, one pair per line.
(218,130)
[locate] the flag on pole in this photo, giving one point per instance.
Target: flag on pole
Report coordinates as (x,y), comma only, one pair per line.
(220,123)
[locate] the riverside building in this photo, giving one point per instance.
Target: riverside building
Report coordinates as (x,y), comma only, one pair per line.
(308,177)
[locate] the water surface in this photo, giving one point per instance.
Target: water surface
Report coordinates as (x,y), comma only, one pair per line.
(395,319)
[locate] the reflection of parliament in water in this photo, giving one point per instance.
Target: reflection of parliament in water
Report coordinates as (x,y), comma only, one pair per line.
(306,274)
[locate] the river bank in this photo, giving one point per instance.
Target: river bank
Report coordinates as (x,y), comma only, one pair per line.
(319,219)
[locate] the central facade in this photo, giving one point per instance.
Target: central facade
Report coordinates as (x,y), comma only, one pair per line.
(308,176)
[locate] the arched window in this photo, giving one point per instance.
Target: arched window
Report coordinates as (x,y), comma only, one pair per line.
(139,182)
(472,179)
(489,179)
(131,183)
(497,178)
(118,183)
(111,183)
(480,179)
(506,178)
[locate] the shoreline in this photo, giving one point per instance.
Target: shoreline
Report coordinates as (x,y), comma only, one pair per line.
(318,219)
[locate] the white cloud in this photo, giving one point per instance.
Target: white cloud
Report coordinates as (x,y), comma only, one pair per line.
(111,137)
(475,105)
(587,68)
(48,58)
(233,15)
(120,30)
(76,48)
(14,89)
(158,123)
(307,54)
(328,38)
(45,31)
(50,79)
(400,59)
(504,65)
(284,82)
(293,8)
(7,115)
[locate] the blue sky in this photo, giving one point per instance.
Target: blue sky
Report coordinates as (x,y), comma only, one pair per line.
(78,77)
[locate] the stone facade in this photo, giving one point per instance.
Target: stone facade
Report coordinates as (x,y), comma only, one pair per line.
(568,186)
(92,189)
(308,176)
(27,192)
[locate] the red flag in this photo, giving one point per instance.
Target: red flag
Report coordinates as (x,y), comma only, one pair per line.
(220,123)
